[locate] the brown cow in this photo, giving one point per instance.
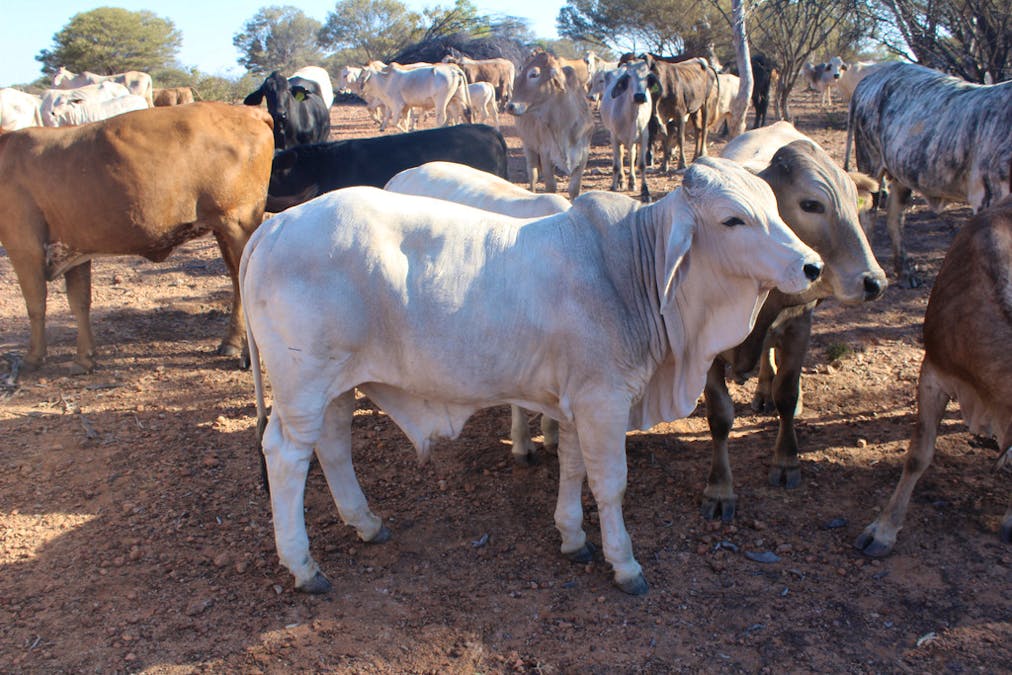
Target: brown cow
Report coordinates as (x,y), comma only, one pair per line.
(686,88)
(967,333)
(141,183)
(553,120)
(173,96)
(500,73)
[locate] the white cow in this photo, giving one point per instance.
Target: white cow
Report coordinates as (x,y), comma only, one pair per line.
(136,81)
(399,88)
(465,185)
(853,73)
(483,105)
(19,110)
(728,86)
(83,112)
(321,77)
(418,303)
(56,102)
(626,110)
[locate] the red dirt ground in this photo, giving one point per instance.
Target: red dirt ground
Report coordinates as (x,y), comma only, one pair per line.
(135,536)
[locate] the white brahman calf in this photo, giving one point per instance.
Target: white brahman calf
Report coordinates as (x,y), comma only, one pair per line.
(625,112)
(483,190)
(417,302)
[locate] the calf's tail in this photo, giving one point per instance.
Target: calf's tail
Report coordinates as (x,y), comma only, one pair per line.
(258,380)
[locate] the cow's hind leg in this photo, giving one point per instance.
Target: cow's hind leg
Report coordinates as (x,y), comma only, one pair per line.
(78,280)
(520,436)
(719,499)
(287,459)
(791,352)
(899,199)
(231,239)
(334,452)
(878,538)
(569,506)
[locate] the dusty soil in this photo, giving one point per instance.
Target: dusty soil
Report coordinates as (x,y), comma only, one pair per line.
(135,536)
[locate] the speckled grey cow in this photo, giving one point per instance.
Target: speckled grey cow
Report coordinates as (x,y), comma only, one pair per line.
(947,139)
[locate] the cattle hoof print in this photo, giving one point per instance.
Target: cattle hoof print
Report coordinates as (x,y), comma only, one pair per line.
(583,555)
(635,586)
(789,477)
(723,509)
(318,585)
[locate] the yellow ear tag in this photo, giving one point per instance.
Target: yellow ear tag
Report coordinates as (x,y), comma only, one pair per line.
(861,203)
(300,96)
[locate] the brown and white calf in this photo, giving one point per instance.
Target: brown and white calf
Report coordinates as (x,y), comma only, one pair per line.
(971,364)
(686,88)
(819,202)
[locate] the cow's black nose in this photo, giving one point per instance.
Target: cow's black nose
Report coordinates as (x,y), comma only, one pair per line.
(640,97)
(872,288)
(812,271)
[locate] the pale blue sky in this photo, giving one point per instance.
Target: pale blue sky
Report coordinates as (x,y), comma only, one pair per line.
(27,28)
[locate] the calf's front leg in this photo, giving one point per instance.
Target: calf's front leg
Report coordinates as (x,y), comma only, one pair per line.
(718,497)
(791,349)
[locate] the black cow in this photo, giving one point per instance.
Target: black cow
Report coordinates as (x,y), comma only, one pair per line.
(762,73)
(300,114)
(299,174)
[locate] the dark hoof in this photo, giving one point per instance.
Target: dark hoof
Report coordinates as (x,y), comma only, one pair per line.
(583,555)
(789,477)
(1005,531)
(763,405)
(867,544)
(635,586)
(381,537)
(723,509)
(228,350)
(244,360)
(525,460)
(914,281)
(318,585)
(81,368)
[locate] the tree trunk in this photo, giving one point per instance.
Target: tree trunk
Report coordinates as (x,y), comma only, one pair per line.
(739,107)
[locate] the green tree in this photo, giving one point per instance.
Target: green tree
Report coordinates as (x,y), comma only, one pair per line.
(662,26)
(370,30)
(971,38)
(463,18)
(278,38)
(112,40)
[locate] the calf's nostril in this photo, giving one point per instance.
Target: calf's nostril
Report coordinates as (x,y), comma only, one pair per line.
(812,271)
(872,288)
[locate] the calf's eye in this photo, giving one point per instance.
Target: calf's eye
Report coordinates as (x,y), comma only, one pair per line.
(733,221)
(812,206)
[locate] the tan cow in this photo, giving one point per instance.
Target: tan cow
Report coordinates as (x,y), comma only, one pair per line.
(967,333)
(137,184)
(136,82)
(500,73)
(173,96)
(553,120)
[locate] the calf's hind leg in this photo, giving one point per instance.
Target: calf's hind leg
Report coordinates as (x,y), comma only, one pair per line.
(334,452)
(78,280)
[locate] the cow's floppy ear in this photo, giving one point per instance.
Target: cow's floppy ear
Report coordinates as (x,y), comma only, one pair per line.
(255,98)
(654,85)
(621,84)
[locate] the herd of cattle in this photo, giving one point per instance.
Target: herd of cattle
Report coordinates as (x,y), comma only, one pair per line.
(408,266)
